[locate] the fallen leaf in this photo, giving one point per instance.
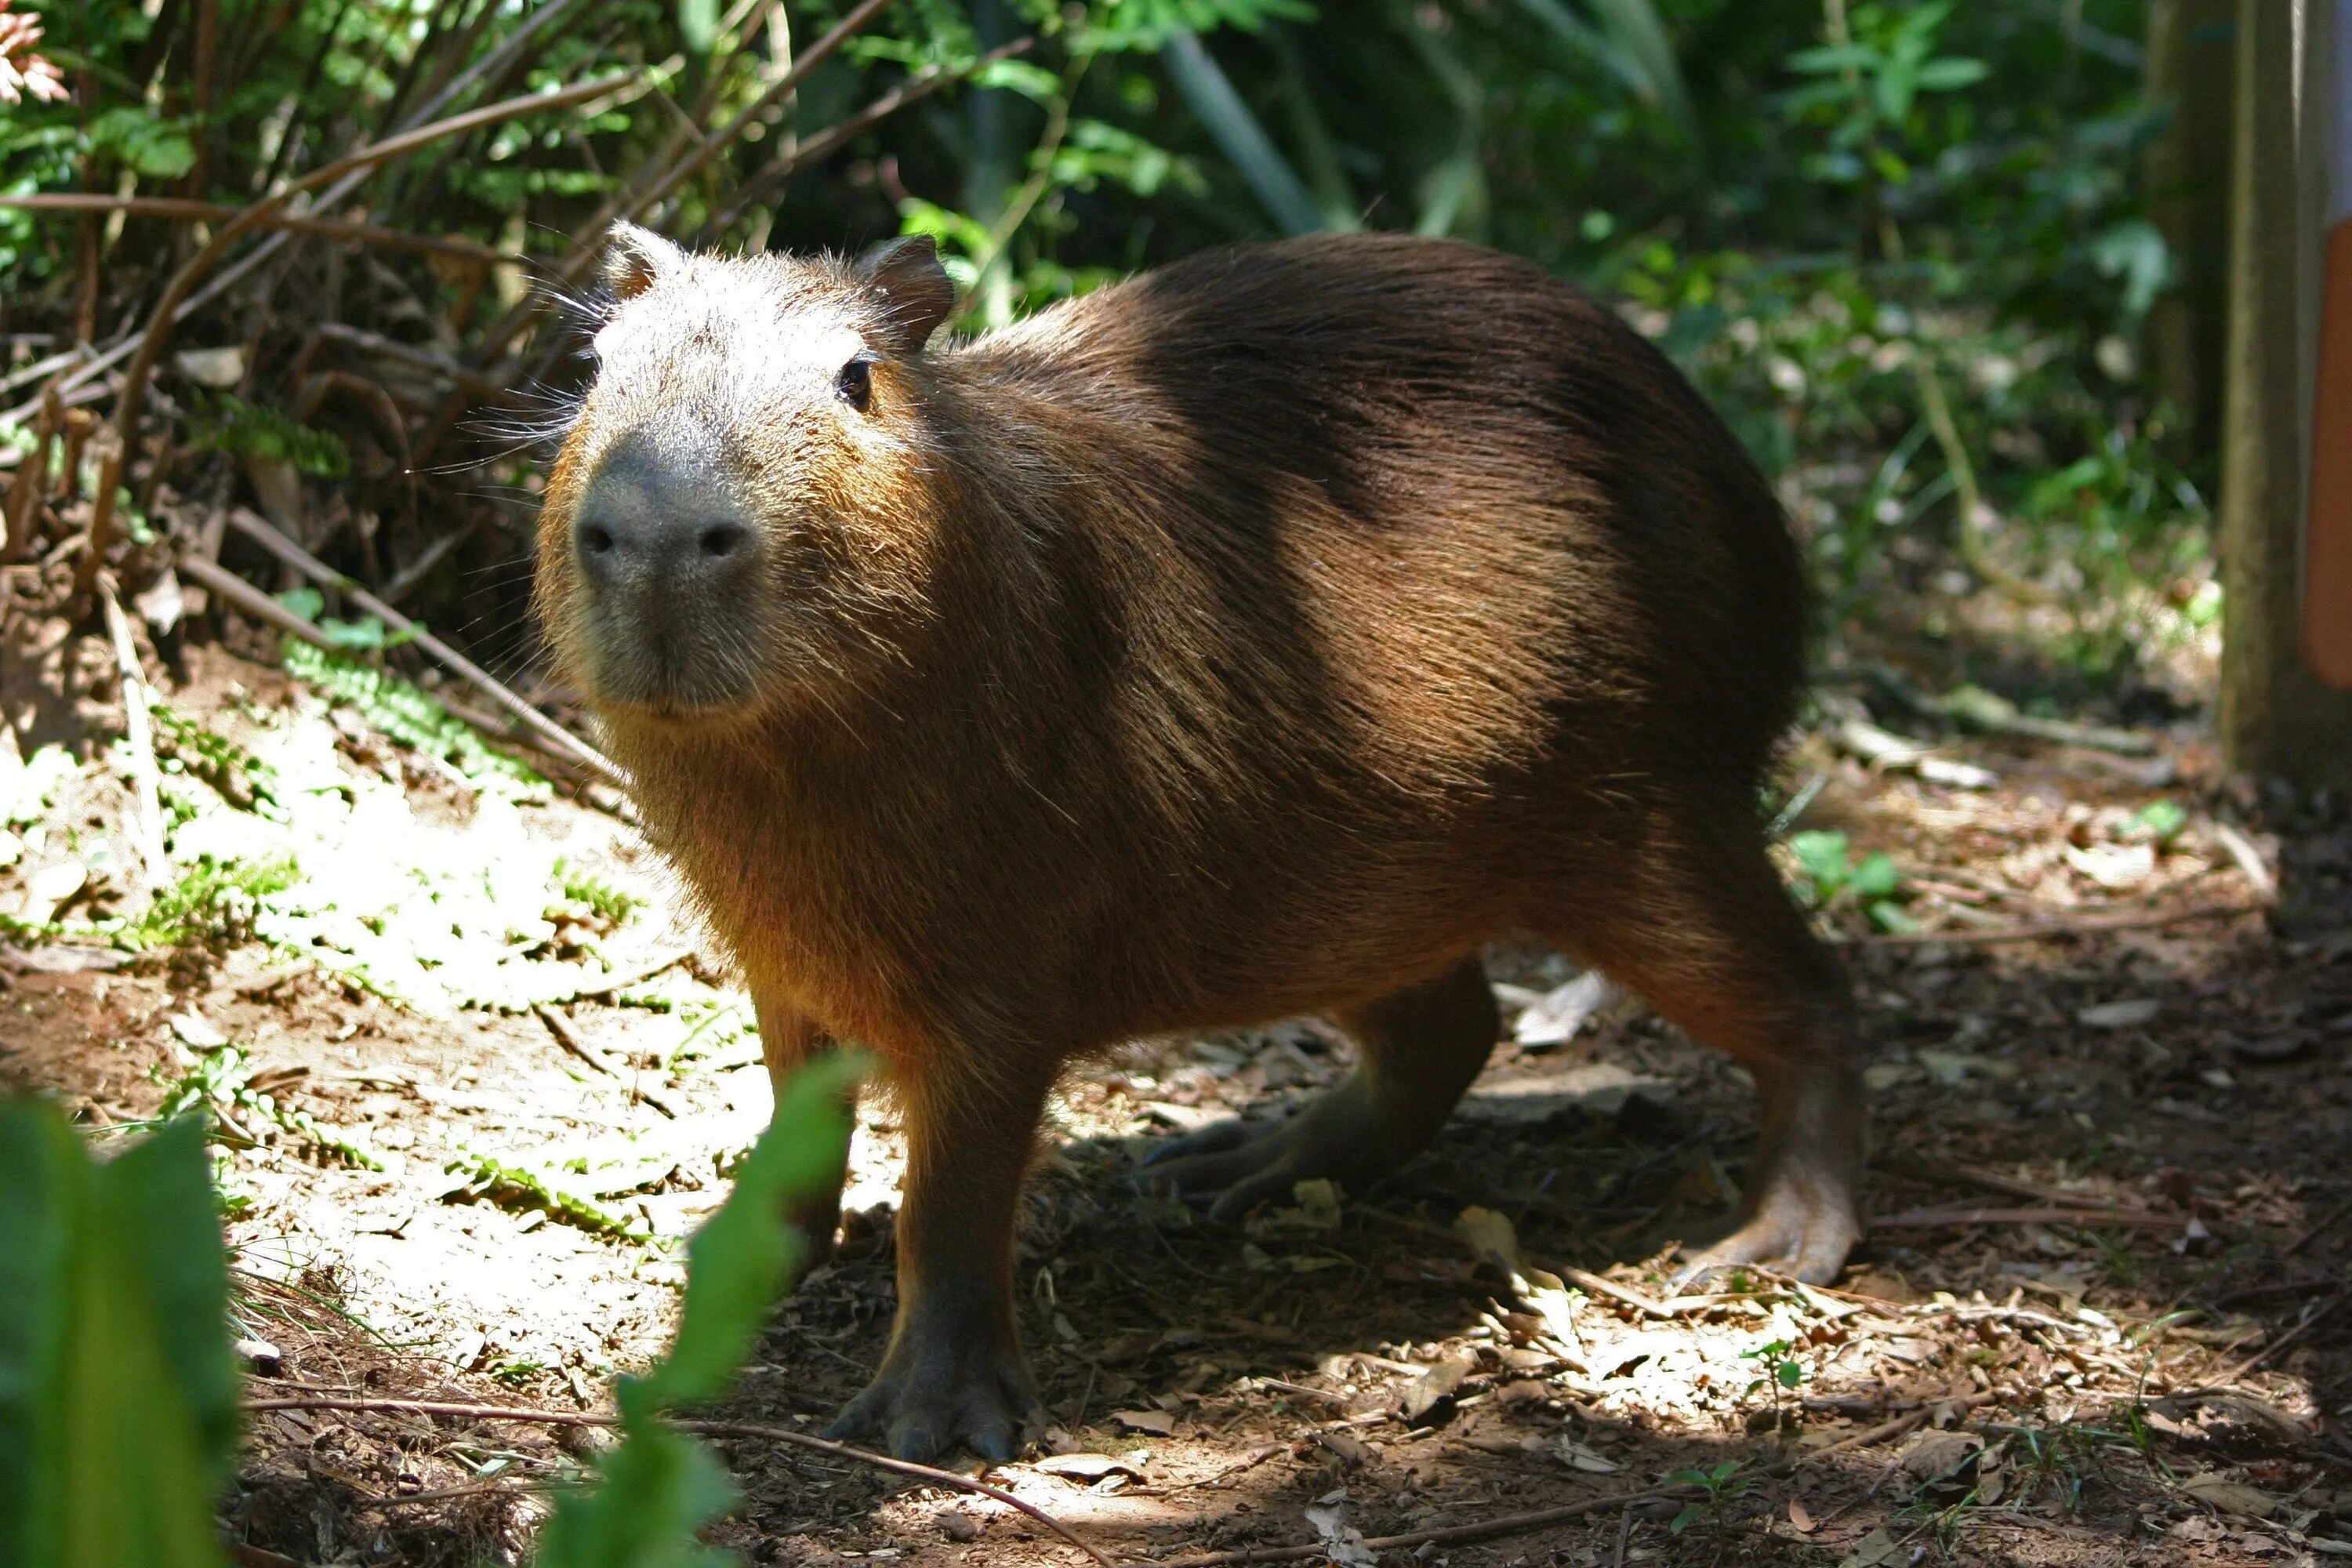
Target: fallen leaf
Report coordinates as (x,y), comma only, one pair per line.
(1932,1456)
(2125,1014)
(1158,1422)
(1429,1398)
(2118,868)
(1800,1517)
(2229,1495)
(1877,1547)
(1489,1237)
(1554,1018)
(1579,1457)
(1086,1467)
(196,1030)
(1342,1541)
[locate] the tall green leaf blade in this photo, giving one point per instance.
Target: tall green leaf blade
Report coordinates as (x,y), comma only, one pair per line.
(104,1463)
(738,1261)
(1635,28)
(1240,137)
(659,1487)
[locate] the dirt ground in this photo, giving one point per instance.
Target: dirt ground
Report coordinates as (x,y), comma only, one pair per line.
(2099,1318)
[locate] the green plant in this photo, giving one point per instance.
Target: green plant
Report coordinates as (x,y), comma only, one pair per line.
(405,711)
(610,904)
(224,422)
(212,903)
(1831,874)
(1782,1372)
(118,1398)
(218,1081)
(1725,1483)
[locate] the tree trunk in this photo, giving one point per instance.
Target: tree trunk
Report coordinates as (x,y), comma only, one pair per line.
(2277,718)
(2190,71)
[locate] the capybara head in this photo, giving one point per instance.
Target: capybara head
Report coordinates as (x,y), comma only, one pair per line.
(738,513)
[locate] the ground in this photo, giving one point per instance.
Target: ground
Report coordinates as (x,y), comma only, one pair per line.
(2098,1318)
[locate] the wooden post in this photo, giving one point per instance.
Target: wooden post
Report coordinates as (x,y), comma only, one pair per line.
(2278,718)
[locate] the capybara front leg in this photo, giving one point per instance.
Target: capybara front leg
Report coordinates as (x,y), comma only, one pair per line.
(1421,1050)
(954,1370)
(789,1041)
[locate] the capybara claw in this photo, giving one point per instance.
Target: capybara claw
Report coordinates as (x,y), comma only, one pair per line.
(1232,1166)
(1808,1244)
(921,1409)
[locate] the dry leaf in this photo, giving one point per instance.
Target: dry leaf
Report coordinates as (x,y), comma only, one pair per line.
(1086,1467)
(1158,1422)
(2230,1496)
(1580,1458)
(2125,1014)
(1800,1517)
(1877,1548)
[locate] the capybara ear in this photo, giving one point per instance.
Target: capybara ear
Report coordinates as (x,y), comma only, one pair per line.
(916,293)
(636,258)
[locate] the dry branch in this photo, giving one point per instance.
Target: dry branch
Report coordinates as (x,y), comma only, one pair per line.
(2043,931)
(926,1473)
(1959,1216)
(164,316)
(145,781)
(261,531)
(597,1057)
(179,210)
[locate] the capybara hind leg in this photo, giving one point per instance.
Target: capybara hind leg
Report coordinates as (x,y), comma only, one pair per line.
(953,1372)
(1420,1047)
(789,1042)
(1715,943)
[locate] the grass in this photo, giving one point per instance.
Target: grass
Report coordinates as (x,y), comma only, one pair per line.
(213,902)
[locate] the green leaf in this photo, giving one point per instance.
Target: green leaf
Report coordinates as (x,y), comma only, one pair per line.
(656,1489)
(1691,1514)
(1889,916)
(1831,59)
(1877,877)
(2163,818)
(737,1262)
(118,1409)
(1790,1374)
(1950,73)
(698,25)
(156,148)
(1824,858)
(306,603)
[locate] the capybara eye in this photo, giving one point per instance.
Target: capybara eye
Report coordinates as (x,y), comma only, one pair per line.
(855,382)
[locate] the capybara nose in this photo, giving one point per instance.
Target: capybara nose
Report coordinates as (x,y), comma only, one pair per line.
(660,516)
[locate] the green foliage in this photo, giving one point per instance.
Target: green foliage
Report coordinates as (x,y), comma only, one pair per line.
(610,904)
(185,747)
(222,421)
(396,706)
(218,1083)
(1725,1483)
(118,1398)
(1831,874)
(147,145)
(212,903)
(2162,820)
(658,1486)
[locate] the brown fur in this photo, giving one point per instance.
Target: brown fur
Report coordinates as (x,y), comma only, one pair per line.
(1253,637)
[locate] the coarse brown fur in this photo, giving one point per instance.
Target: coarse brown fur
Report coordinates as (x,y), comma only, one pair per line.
(1253,637)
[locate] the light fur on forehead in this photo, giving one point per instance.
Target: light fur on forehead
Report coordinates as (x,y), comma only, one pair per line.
(636,258)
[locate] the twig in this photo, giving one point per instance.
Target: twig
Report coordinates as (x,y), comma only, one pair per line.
(161,319)
(252,601)
(1600,1285)
(1502,1524)
(2317,1228)
(622,981)
(2310,1321)
(1922,1169)
(921,84)
(1625,1534)
(459,1410)
(2043,931)
(598,1058)
(144,779)
(1953,1217)
(2248,859)
(262,533)
(179,210)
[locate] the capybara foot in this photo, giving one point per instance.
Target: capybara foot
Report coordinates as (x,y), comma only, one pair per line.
(936,1391)
(1236,1166)
(1805,1236)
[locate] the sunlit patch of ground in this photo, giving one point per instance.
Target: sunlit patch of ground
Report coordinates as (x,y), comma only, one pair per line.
(2101,1321)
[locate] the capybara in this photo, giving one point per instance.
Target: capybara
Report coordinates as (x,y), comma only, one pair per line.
(1254,638)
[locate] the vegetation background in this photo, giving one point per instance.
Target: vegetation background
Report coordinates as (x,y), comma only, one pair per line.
(1913,250)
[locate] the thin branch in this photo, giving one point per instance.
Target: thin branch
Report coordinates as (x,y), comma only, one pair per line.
(925,1473)
(1484,1529)
(253,528)
(179,210)
(915,88)
(161,319)
(1959,1216)
(145,781)
(597,1057)
(2043,931)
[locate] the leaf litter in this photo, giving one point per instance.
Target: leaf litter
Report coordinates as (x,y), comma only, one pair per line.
(1489,1333)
